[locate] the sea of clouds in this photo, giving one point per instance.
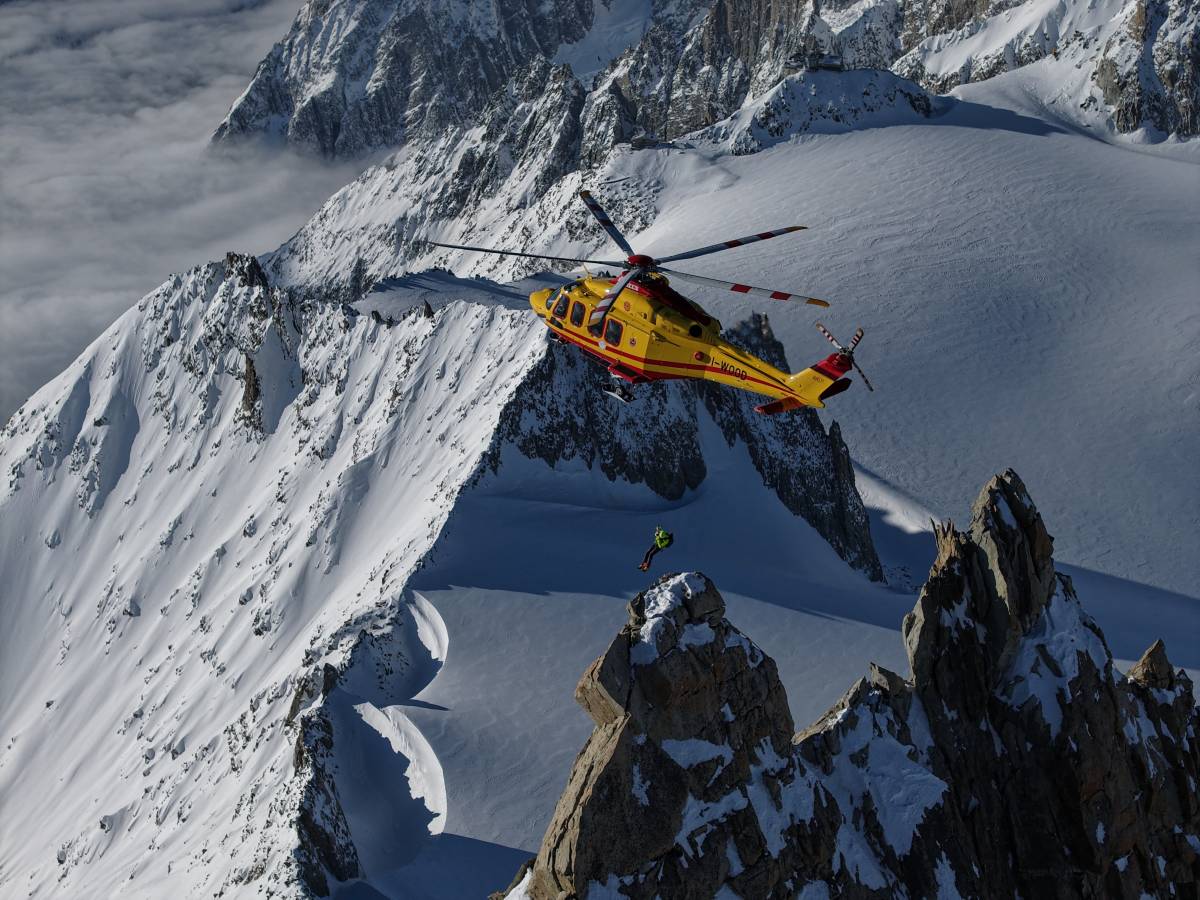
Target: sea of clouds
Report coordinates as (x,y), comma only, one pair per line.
(107,181)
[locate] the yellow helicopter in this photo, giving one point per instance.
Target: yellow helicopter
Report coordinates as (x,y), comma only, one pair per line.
(642,330)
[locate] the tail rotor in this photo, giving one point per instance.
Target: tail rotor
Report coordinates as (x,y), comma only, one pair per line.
(847,353)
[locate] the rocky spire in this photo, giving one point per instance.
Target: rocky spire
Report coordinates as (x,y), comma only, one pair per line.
(1015,760)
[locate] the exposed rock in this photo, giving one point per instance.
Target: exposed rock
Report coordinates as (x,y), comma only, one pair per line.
(1015,760)
(324,846)
(807,468)
(823,102)
(688,782)
(1149,69)
(560,415)
(251,391)
(357,75)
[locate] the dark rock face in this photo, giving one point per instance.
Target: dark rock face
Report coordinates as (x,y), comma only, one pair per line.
(354,76)
(813,476)
(690,767)
(1015,760)
(560,415)
(1149,70)
(357,75)
(324,843)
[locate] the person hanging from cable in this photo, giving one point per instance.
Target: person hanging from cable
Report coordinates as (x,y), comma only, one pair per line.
(662,540)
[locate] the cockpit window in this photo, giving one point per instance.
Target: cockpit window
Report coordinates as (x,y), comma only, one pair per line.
(577,314)
(560,308)
(550,298)
(612,332)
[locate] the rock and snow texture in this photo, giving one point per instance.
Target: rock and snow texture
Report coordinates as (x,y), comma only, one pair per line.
(209,528)
(356,76)
(560,415)
(1015,760)
(1009,269)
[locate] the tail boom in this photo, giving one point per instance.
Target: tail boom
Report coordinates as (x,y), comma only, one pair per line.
(812,386)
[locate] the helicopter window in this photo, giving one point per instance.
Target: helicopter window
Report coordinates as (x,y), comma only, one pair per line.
(577,314)
(550,299)
(695,331)
(560,309)
(612,332)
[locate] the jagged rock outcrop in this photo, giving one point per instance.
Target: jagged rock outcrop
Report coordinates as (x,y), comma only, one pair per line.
(823,102)
(1138,62)
(1014,761)
(1149,69)
(689,781)
(356,75)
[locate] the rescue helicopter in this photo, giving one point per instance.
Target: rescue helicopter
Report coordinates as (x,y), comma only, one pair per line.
(642,330)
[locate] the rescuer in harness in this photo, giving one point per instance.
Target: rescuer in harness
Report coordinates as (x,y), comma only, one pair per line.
(662,540)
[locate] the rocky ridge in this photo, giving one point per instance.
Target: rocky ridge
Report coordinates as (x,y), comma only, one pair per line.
(502,169)
(359,76)
(354,76)
(1015,760)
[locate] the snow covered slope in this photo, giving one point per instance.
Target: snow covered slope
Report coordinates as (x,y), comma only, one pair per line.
(299,593)
(212,528)
(225,489)
(1027,291)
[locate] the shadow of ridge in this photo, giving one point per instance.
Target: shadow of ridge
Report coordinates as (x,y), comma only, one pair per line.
(421,704)
(970,114)
(450,865)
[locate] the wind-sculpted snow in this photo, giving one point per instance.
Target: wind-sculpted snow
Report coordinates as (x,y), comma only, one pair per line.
(208,524)
(1014,762)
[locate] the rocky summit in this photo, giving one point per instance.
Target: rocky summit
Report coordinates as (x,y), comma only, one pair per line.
(1014,760)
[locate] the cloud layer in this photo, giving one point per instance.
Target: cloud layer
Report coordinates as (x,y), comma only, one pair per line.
(106,182)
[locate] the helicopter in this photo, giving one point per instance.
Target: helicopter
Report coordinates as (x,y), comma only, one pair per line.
(642,330)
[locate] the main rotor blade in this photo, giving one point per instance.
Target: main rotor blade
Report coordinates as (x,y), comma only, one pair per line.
(599,262)
(829,337)
(750,239)
(605,222)
(858,336)
(863,375)
(743,288)
(611,295)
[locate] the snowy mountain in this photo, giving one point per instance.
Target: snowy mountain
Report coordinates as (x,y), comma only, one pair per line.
(225,505)
(299,560)
(353,77)
(981,238)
